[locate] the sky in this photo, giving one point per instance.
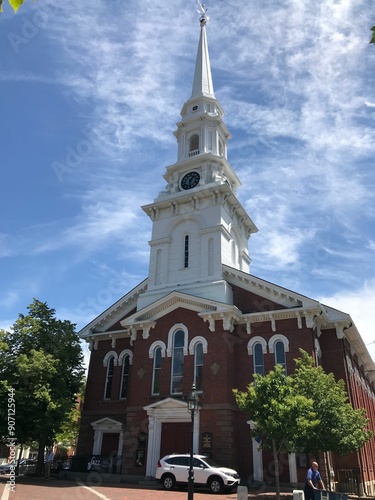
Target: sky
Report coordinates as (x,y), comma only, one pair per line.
(90,94)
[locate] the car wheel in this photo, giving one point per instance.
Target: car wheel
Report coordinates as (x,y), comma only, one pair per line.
(168,481)
(216,485)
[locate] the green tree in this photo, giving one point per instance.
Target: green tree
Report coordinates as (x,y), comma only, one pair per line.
(280,417)
(16,4)
(42,362)
(4,348)
(68,435)
(341,429)
(373,35)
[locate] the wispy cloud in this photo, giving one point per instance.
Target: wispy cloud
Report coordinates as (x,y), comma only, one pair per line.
(360,305)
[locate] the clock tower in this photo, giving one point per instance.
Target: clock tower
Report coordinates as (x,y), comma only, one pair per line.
(198,221)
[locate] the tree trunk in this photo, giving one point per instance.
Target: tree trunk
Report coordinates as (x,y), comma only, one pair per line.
(40,463)
(327,463)
(276,462)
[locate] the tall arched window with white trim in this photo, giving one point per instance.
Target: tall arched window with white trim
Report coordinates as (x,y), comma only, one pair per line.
(177,362)
(198,366)
(257,347)
(156,372)
(109,378)
(258,359)
(279,345)
(280,358)
(125,377)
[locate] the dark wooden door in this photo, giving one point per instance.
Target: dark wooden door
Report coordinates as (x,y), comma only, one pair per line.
(110,443)
(175,438)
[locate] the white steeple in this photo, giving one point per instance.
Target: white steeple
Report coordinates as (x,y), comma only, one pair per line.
(202,84)
(198,221)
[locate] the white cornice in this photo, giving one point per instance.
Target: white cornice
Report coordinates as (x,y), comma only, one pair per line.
(203,158)
(266,289)
(205,116)
(221,193)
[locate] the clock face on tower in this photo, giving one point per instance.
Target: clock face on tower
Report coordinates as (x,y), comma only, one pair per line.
(190,180)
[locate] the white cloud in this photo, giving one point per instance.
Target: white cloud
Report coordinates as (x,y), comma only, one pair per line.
(359,304)
(107,215)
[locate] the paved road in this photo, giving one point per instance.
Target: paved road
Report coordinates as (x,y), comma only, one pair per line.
(56,489)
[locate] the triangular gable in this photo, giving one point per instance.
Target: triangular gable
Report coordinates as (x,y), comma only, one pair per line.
(169,410)
(166,404)
(145,319)
(107,425)
(173,301)
(114,313)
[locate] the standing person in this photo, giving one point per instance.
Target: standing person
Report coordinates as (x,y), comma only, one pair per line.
(48,462)
(313,481)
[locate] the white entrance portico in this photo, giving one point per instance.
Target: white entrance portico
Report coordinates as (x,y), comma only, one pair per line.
(106,425)
(168,410)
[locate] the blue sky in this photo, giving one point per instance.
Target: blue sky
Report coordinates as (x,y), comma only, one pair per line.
(90,94)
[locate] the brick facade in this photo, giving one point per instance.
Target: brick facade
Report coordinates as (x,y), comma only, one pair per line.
(227,364)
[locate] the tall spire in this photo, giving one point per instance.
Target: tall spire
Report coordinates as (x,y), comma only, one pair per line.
(202,84)
(198,222)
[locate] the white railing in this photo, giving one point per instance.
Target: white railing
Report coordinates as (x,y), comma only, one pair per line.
(195,152)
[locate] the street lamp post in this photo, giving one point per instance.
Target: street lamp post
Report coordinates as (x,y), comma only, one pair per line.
(192,402)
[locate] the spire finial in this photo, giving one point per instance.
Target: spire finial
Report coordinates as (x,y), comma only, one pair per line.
(202,11)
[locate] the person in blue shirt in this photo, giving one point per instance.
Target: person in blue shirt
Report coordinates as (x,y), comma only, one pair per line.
(313,481)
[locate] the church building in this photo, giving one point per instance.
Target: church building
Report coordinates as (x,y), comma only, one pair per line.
(200,317)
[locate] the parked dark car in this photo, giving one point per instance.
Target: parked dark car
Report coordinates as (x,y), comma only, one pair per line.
(60,464)
(26,466)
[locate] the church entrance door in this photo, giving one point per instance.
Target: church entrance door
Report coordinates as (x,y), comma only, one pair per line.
(175,438)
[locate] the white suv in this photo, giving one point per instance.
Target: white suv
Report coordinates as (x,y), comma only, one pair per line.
(173,470)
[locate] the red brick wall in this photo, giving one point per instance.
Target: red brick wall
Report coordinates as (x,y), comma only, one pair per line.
(227,365)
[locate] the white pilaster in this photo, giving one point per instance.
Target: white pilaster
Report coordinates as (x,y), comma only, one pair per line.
(292,468)
(98,439)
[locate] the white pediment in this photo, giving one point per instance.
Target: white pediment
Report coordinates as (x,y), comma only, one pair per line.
(169,410)
(107,425)
(145,319)
(166,404)
(173,301)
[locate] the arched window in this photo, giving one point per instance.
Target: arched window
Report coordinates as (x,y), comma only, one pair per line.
(186,251)
(280,354)
(125,377)
(109,378)
(194,145)
(258,358)
(198,366)
(108,356)
(279,345)
(177,362)
(156,371)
